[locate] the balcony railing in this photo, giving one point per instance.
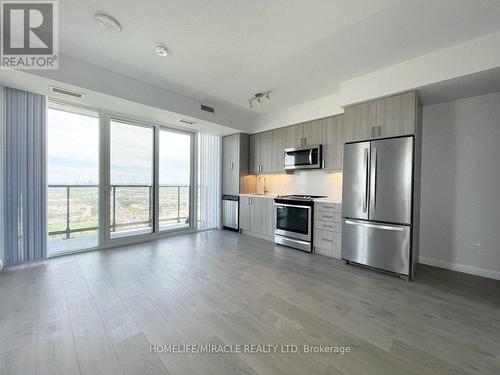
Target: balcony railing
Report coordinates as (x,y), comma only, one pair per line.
(74,208)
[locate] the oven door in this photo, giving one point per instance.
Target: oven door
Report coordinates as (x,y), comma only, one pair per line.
(293,221)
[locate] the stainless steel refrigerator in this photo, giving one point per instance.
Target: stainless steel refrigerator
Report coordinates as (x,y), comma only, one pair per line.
(377,204)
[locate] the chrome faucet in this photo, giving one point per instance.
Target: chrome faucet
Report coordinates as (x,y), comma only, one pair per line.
(265,191)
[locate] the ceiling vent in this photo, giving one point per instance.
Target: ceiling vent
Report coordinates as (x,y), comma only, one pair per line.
(186,122)
(68,94)
(207,108)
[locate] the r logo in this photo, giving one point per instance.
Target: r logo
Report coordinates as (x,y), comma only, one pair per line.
(27,28)
(29,34)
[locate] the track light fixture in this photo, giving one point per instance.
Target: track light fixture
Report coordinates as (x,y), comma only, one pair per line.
(258,97)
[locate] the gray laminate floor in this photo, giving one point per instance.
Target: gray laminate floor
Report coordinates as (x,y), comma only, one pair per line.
(98,313)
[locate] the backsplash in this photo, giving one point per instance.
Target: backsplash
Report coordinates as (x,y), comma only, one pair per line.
(306,182)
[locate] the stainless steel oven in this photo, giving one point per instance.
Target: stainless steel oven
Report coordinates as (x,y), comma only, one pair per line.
(308,157)
(294,216)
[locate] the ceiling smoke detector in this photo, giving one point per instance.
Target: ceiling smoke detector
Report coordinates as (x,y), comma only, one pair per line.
(107,23)
(161,51)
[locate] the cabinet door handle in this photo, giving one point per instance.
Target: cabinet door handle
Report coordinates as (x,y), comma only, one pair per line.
(327,240)
(380,130)
(324,164)
(373,131)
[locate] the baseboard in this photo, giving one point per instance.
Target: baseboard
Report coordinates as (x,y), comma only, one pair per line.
(461,268)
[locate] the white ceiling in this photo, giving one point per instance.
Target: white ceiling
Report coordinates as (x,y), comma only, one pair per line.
(227,50)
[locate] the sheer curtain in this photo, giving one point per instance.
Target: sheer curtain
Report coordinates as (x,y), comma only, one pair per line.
(209,186)
(23,176)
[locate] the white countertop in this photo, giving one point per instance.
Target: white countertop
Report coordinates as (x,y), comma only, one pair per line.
(272,196)
(329,200)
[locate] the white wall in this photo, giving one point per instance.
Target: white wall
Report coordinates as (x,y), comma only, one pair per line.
(461,185)
(306,182)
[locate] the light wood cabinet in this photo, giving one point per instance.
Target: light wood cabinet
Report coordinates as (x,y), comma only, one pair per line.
(294,135)
(278,149)
(255,153)
(307,133)
(244,207)
(234,163)
(266,152)
(333,142)
(387,117)
(396,115)
(256,225)
(257,216)
(361,119)
(313,132)
(328,228)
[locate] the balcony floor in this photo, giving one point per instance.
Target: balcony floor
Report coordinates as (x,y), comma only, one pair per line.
(59,245)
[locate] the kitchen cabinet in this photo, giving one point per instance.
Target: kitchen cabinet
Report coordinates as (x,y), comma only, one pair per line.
(308,133)
(245,213)
(313,132)
(278,149)
(327,228)
(255,153)
(361,119)
(396,115)
(386,117)
(235,165)
(333,142)
(264,148)
(266,152)
(257,216)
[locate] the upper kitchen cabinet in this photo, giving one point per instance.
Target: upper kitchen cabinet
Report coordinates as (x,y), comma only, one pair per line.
(278,150)
(360,119)
(313,132)
(308,133)
(255,153)
(333,142)
(235,165)
(387,117)
(266,150)
(396,115)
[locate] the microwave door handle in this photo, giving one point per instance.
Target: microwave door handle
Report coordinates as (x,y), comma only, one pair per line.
(310,156)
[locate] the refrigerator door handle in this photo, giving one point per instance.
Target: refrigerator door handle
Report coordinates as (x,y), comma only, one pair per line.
(365,200)
(375,226)
(373,181)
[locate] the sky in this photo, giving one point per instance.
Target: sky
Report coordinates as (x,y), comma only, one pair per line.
(73,152)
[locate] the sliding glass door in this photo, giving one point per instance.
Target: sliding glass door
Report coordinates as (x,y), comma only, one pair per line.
(131,179)
(73,179)
(114,181)
(174,180)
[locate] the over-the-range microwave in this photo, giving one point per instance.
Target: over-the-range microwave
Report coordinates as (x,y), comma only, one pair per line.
(306,157)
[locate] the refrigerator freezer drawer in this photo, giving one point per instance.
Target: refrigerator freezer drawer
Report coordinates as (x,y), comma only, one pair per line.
(383,246)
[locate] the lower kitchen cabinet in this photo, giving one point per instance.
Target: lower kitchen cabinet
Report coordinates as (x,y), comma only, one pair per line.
(257,216)
(327,228)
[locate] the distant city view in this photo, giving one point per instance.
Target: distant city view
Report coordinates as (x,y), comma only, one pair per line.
(73,179)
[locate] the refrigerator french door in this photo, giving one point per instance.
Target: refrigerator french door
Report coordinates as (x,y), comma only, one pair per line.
(377,204)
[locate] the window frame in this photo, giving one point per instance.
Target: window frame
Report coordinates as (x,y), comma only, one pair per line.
(105,117)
